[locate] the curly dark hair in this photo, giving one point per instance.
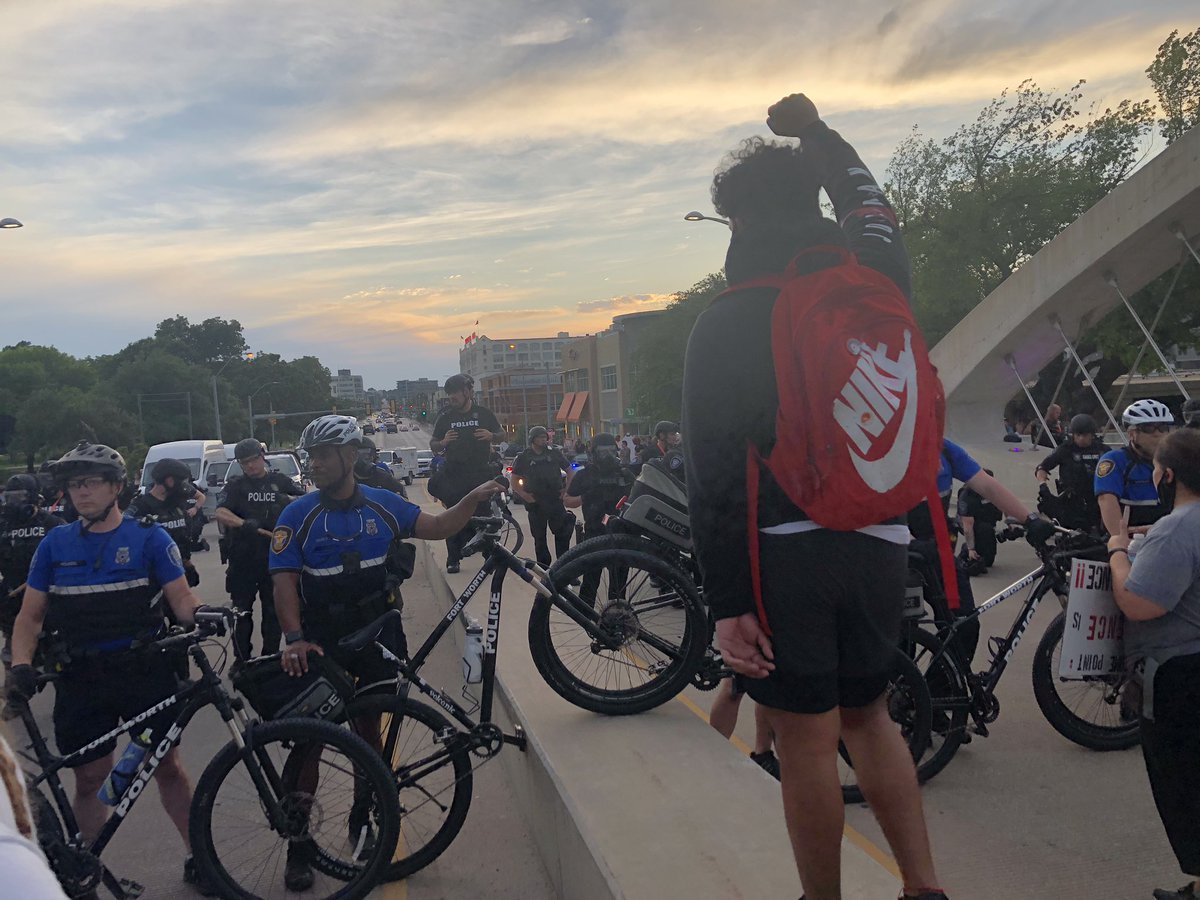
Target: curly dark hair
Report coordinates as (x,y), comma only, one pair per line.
(766,181)
(1180,452)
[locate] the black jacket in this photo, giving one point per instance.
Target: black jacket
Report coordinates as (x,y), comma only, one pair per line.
(729,395)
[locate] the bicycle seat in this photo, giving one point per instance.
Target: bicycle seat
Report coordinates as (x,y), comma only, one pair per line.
(366,635)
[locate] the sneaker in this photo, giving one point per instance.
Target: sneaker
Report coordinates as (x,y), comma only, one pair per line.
(192,876)
(1186,892)
(767,762)
(298,874)
(451,568)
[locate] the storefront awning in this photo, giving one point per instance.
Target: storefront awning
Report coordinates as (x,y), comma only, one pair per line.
(561,415)
(577,405)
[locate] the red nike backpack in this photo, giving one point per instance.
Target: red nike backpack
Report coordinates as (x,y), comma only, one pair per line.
(861,408)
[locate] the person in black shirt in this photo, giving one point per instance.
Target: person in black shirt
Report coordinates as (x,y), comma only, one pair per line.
(465,431)
(666,437)
(165,504)
(23,524)
(248,508)
(599,485)
(1076,505)
(833,600)
(369,471)
(539,470)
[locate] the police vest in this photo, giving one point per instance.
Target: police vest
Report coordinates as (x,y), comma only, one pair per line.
(1079,469)
(165,513)
(543,471)
(19,540)
(261,499)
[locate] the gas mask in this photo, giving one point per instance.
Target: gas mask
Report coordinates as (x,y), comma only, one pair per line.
(606,457)
(18,506)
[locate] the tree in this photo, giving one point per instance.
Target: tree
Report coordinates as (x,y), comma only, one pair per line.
(657,378)
(978,204)
(1175,75)
(210,341)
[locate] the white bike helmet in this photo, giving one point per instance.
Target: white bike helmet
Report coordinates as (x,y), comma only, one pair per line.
(1147,412)
(331,431)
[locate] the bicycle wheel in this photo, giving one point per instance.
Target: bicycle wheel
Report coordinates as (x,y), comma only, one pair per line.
(1092,713)
(949,699)
(432,770)
(337,804)
(652,615)
(909,707)
(77,871)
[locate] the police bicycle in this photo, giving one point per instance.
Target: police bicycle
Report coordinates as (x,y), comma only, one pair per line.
(278,785)
(635,659)
(1092,711)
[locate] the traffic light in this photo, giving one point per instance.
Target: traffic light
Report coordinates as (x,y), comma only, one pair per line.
(424,413)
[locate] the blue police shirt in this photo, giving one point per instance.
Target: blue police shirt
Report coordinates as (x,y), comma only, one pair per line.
(954,463)
(1123,473)
(102,586)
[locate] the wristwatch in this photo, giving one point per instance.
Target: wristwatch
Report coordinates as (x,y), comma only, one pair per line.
(292,637)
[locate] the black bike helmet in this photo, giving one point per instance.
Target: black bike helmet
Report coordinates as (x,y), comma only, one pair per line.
(460,382)
(1083,424)
(665,427)
(22,490)
(537,431)
(86,458)
(247,448)
(170,468)
(331,431)
(604,439)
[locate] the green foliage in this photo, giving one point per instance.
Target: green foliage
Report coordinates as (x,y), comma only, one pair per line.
(1175,75)
(657,378)
(978,204)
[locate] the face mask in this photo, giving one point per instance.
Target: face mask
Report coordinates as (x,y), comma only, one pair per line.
(1166,493)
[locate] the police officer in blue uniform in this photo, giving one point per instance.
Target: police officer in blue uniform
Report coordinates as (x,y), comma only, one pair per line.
(23,524)
(93,585)
(1125,476)
(337,559)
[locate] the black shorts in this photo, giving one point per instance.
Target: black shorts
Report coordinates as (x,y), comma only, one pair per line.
(834,602)
(367,665)
(89,706)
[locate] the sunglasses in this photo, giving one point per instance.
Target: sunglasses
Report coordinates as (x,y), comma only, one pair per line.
(1160,428)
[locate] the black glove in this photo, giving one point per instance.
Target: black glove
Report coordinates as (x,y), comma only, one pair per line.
(1038,531)
(22,683)
(251,526)
(1044,492)
(192,576)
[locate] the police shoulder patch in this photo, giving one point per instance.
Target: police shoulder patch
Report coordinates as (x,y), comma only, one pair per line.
(280,538)
(1105,466)
(175,555)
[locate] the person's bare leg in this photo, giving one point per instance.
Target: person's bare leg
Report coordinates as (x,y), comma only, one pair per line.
(724,713)
(89,811)
(812,796)
(885,772)
(175,792)
(764,737)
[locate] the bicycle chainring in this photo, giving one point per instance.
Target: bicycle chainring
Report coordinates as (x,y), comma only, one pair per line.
(987,707)
(487,739)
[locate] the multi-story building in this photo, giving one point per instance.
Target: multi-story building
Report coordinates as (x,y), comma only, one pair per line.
(521,398)
(417,391)
(485,356)
(597,380)
(347,386)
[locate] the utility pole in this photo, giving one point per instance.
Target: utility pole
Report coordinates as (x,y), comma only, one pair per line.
(217,407)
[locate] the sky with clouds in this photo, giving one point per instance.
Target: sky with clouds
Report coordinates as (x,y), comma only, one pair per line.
(364,181)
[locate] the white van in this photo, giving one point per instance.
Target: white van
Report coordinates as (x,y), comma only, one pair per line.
(404,464)
(199,456)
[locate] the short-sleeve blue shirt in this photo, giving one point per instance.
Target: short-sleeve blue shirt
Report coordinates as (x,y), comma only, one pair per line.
(310,537)
(955,464)
(1123,473)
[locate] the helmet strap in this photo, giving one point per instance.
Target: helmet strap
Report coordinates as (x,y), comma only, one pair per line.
(91,521)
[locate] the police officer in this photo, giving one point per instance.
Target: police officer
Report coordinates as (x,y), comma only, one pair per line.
(23,524)
(539,470)
(1125,476)
(600,485)
(1075,506)
(54,499)
(248,508)
(372,473)
(165,503)
(94,584)
(1191,413)
(666,437)
(977,516)
(465,431)
(337,558)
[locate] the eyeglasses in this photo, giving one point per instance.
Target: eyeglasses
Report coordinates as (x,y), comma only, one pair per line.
(1160,427)
(90,483)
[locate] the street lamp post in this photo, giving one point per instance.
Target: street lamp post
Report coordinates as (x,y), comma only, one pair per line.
(695,216)
(250,407)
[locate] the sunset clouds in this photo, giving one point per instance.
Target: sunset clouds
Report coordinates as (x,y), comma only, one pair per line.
(365,181)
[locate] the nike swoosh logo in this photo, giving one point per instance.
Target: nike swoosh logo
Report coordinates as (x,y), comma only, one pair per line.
(883,474)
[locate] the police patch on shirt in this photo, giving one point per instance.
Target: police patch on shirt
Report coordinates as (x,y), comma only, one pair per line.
(123,556)
(280,538)
(1106,466)
(172,551)
(372,527)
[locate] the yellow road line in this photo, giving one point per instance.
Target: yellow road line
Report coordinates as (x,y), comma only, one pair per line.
(857,838)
